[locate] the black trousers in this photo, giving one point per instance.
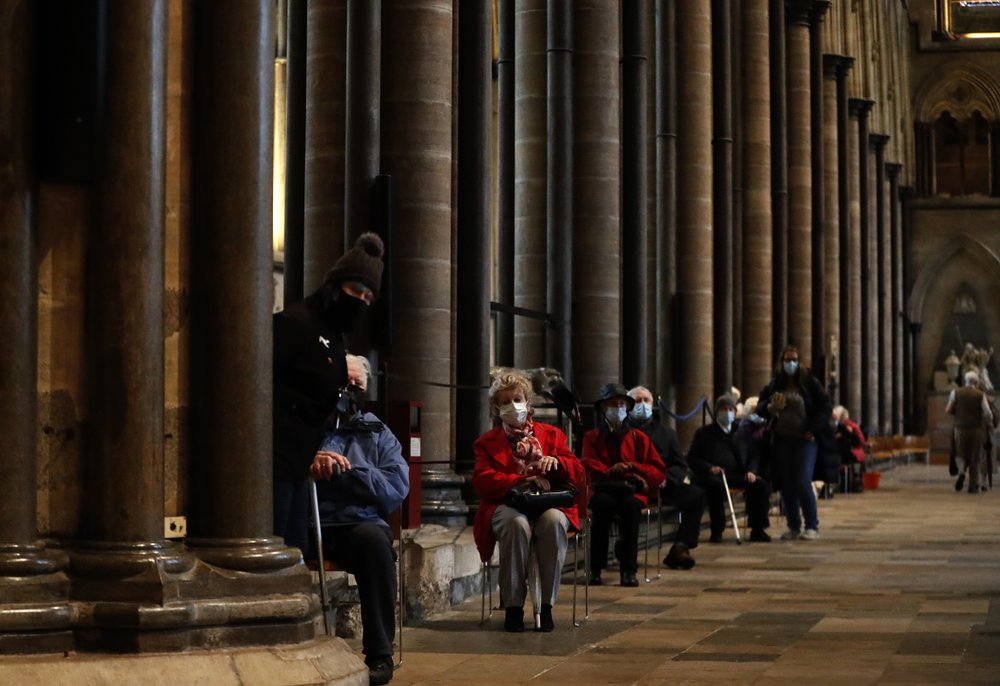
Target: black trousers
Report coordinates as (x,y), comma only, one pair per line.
(689,500)
(758,496)
(603,507)
(365,550)
(291,513)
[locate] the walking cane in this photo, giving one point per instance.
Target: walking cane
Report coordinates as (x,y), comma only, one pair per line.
(324,598)
(732,512)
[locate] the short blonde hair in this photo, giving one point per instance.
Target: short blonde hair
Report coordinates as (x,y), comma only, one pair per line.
(504,378)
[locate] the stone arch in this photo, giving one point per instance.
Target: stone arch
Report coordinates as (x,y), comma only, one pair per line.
(976,250)
(960,88)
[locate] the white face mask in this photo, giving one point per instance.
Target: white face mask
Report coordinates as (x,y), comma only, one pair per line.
(642,411)
(790,367)
(727,418)
(514,414)
(615,415)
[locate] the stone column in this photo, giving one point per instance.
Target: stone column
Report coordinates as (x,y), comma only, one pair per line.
(831,292)
(506,96)
(417,152)
(694,205)
(862,349)
(896,297)
(799,293)
(361,126)
(559,187)
(666,199)
(326,88)
(882,268)
(819,164)
(854,381)
(911,330)
(635,328)
(844,175)
(758,358)
(34,616)
(293,278)
(722,196)
(876,244)
(779,176)
(597,202)
(231,274)
(529,179)
(474,196)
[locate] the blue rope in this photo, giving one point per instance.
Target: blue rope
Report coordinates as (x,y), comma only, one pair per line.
(703,403)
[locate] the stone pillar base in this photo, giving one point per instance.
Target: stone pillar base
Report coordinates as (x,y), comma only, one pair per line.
(326,661)
(442,499)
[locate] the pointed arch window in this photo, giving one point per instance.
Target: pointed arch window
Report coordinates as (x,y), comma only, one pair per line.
(962,157)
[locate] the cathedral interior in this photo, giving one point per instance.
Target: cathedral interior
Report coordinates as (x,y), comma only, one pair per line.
(639,191)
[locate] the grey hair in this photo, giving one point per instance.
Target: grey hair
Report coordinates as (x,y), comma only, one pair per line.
(365,364)
(635,389)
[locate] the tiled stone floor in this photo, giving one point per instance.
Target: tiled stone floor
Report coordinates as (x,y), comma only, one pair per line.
(902,588)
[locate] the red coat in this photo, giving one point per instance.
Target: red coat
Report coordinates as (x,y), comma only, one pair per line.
(598,458)
(496,472)
(857,450)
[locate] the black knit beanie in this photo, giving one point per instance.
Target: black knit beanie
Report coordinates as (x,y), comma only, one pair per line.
(362,263)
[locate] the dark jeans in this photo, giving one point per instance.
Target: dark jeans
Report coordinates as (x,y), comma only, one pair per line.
(689,500)
(291,512)
(365,550)
(796,459)
(758,495)
(603,507)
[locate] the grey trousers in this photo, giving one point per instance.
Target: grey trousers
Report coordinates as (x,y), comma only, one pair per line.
(522,540)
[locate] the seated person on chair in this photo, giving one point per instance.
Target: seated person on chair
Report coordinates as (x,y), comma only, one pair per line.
(517,452)
(624,471)
(361,478)
(714,451)
(680,490)
(850,442)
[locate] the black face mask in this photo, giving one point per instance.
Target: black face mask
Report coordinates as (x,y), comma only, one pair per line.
(343,311)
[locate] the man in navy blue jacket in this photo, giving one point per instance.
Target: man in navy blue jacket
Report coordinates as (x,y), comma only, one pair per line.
(361,477)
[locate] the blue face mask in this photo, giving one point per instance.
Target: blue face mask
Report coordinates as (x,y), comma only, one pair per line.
(790,367)
(642,411)
(615,416)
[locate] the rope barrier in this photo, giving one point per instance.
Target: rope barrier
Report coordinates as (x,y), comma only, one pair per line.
(702,404)
(437,384)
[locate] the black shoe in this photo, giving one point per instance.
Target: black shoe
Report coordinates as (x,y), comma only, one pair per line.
(513,620)
(952,466)
(961,482)
(716,537)
(379,669)
(545,622)
(629,580)
(679,557)
(759,536)
(595,579)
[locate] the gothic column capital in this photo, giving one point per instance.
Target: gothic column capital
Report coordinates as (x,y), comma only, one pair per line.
(799,12)
(893,169)
(878,141)
(858,108)
(818,12)
(837,66)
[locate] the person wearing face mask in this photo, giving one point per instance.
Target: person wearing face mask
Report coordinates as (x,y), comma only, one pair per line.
(624,470)
(715,451)
(361,478)
(798,410)
(516,451)
(310,367)
(680,491)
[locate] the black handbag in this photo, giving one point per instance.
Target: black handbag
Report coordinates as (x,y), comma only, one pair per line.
(528,499)
(616,488)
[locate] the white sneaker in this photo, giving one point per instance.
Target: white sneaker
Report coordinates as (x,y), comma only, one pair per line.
(810,535)
(789,535)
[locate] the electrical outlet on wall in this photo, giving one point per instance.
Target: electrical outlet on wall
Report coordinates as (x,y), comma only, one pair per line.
(174,527)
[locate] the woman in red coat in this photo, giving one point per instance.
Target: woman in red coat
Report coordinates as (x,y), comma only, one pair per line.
(517,451)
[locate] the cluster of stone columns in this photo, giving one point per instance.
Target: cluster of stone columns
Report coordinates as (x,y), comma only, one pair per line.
(124,587)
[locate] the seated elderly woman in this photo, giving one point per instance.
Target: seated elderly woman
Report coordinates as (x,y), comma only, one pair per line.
(520,452)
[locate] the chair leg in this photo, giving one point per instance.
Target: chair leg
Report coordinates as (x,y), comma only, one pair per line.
(401,588)
(645,552)
(483,617)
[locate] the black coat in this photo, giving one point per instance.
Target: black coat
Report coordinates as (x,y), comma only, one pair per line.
(665,441)
(713,447)
(309,370)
